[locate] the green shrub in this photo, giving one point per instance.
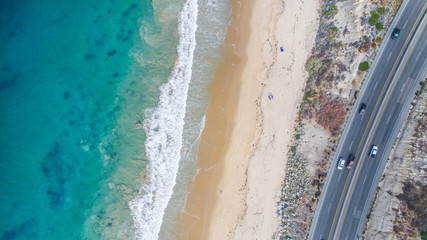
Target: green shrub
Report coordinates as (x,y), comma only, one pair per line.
(364,66)
(307,96)
(297,137)
(379,26)
(373,21)
(381,10)
(375,15)
(328,10)
(419,91)
(334,9)
(313,64)
(294,149)
(424,234)
(374,18)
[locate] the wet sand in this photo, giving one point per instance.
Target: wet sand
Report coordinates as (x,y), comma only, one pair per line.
(204,193)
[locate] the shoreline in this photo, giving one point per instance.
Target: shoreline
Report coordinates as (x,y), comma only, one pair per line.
(243,149)
(204,193)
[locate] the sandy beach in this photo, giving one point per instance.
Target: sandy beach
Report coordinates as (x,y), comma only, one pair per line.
(250,119)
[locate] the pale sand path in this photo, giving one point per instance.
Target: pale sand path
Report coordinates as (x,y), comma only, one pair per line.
(242,154)
(292,26)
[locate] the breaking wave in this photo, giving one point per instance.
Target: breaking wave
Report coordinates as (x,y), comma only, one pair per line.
(164,129)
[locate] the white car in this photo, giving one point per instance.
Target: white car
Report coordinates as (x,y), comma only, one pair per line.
(341,163)
(374,151)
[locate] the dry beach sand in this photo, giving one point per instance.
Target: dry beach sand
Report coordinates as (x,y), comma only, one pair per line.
(242,153)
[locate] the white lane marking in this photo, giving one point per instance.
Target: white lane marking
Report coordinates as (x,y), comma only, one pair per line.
(329,208)
(388,119)
(351,144)
(405,24)
(376,85)
(416,60)
(364,179)
(389,56)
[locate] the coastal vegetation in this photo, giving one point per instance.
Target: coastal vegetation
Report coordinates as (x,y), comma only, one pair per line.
(381,10)
(414,204)
(379,26)
(419,91)
(329,10)
(364,66)
(374,18)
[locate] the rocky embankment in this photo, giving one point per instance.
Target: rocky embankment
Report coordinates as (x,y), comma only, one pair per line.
(399,209)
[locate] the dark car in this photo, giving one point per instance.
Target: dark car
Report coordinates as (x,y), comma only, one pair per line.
(362,108)
(395,33)
(350,161)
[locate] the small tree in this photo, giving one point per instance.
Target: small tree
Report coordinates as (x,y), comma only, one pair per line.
(381,10)
(379,26)
(375,15)
(364,66)
(373,21)
(374,18)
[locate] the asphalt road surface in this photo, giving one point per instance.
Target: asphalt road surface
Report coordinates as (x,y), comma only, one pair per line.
(348,193)
(384,132)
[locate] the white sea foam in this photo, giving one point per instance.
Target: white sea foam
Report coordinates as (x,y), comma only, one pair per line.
(164,129)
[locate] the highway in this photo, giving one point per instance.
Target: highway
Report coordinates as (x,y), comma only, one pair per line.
(389,121)
(387,92)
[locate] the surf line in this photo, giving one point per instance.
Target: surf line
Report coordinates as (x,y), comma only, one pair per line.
(164,127)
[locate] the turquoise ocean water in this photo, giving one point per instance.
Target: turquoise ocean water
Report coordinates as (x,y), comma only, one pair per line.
(102,104)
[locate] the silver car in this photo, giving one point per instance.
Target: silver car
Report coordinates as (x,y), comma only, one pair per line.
(374,151)
(341,163)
